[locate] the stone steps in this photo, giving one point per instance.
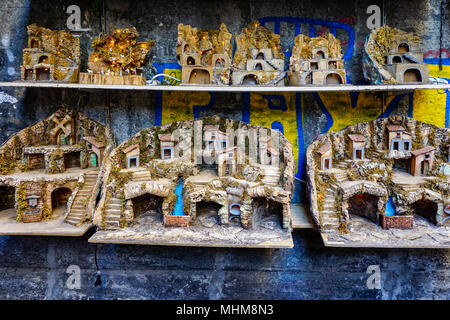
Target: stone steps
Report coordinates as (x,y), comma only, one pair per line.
(78,210)
(113,212)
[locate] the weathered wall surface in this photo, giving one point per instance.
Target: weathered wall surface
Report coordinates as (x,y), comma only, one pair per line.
(308,270)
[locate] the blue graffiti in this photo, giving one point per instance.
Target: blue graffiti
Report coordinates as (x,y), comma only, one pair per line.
(312,23)
(276,125)
(276,102)
(301,152)
(325,111)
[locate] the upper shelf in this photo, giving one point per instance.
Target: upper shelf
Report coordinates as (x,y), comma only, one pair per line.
(216,88)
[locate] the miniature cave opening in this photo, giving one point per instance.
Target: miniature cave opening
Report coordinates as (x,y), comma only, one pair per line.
(147,204)
(29,74)
(401,165)
(190,61)
(266,210)
(207,209)
(333,78)
(403,48)
(412,75)
(43,59)
(7,197)
(43,74)
(426,208)
(220,63)
(397,59)
(364,205)
(332,65)
(320,54)
(72,160)
(199,76)
(250,79)
(60,197)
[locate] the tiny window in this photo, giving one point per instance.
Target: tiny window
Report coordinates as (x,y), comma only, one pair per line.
(211,145)
(133,162)
(407,146)
(398,134)
(167,153)
(427,156)
(395,146)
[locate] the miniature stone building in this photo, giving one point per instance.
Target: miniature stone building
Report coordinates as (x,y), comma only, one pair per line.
(316,61)
(204,55)
(259,58)
(220,191)
(51,170)
(393,56)
(117,58)
(405,164)
(50,55)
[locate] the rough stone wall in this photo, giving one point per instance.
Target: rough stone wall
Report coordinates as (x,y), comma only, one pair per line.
(35,267)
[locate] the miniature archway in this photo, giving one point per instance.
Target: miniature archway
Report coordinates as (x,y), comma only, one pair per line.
(426,208)
(364,205)
(7,197)
(60,197)
(42,74)
(220,63)
(266,209)
(258,66)
(147,204)
(200,76)
(190,61)
(320,54)
(333,78)
(397,59)
(260,56)
(412,75)
(43,59)
(250,79)
(403,48)
(34,43)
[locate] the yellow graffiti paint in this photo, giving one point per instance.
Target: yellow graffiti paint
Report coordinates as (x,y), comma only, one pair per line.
(429,105)
(369,106)
(262,115)
(174,73)
(178,106)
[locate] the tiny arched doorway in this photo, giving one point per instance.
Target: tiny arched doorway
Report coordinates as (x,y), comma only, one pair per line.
(199,76)
(412,75)
(60,197)
(250,79)
(333,78)
(426,208)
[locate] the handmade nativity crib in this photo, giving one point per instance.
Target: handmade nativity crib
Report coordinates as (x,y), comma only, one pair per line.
(259,58)
(213,193)
(382,183)
(204,55)
(50,175)
(393,56)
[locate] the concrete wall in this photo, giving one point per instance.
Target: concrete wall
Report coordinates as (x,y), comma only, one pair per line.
(34,267)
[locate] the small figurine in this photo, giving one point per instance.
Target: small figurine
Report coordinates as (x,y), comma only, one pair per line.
(204,55)
(116,53)
(50,172)
(50,55)
(259,59)
(390,173)
(393,56)
(316,61)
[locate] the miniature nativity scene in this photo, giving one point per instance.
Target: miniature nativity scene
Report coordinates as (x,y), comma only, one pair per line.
(316,61)
(50,175)
(117,58)
(383,183)
(50,55)
(204,182)
(259,58)
(204,55)
(393,56)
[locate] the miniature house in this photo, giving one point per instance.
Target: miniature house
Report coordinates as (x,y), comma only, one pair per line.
(399,138)
(117,58)
(259,58)
(50,55)
(357,146)
(132,156)
(316,61)
(326,157)
(422,161)
(401,186)
(204,55)
(168,191)
(394,59)
(49,172)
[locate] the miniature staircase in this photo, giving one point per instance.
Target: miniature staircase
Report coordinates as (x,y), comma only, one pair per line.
(340,176)
(329,217)
(271,176)
(113,212)
(79,207)
(141,175)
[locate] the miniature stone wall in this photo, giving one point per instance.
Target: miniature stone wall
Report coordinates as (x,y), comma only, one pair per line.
(397,222)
